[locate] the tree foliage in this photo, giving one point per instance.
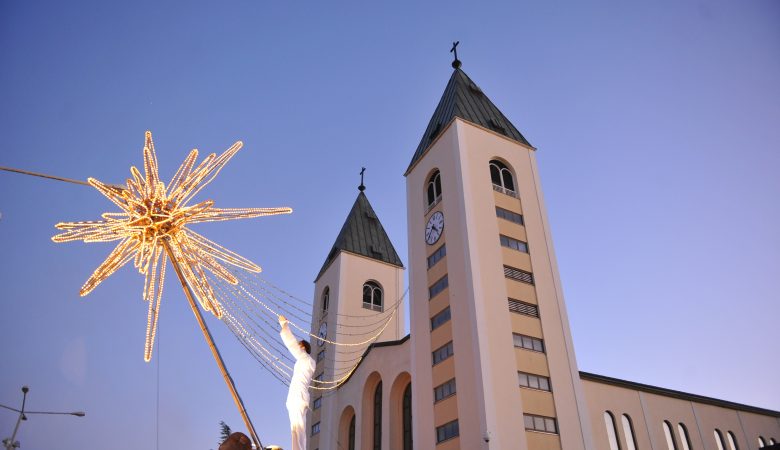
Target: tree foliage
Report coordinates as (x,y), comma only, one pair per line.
(224,432)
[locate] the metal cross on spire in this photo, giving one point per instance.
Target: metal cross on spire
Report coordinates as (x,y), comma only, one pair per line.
(362,187)
(456,63)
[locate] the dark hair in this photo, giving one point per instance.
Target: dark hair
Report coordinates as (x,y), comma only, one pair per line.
(306,346)
(236,441)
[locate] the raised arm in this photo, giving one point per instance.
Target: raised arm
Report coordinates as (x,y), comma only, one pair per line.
(289,340)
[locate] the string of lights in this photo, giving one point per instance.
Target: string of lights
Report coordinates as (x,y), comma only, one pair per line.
(153,216)
(364,316)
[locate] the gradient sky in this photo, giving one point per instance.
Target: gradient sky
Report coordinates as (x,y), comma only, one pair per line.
(658,129)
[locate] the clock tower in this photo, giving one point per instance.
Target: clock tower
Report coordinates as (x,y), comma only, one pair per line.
(487,312)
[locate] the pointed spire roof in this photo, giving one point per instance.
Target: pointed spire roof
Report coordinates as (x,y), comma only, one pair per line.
(363,235)
(463,98)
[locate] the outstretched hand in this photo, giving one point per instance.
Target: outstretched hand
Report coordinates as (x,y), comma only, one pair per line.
(282,320)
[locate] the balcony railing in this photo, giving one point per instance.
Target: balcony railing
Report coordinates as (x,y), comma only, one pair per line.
(373,307)
(506,191)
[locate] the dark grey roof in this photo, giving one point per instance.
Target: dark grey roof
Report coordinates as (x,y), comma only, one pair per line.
(676,394)
(364,235)
(463,98)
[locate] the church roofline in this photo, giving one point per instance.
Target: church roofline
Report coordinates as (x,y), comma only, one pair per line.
(362,234)
(329,262)
(464,99)
(676,394)
(368,350)
(444,130)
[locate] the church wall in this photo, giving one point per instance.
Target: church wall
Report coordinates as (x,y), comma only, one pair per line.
(330,279)
(345,277)
(386,363)
(649,410)
(355,270)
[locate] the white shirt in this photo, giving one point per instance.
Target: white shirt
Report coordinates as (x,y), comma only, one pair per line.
(303,371)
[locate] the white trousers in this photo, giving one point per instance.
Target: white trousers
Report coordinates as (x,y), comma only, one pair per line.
(297,428)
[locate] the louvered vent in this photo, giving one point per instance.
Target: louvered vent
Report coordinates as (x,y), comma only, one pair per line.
(519,307)
(518,275)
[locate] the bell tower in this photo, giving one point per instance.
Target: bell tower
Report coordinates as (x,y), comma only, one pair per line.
(492,353)
(357,297)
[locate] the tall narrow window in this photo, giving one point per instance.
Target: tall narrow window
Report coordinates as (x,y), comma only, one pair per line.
(501,177)
(612,433)
(434,189)
(628,430)
(407,413)
(732,440)
(351,439)
(719,439)
(669,434)
(372,296)
(684,438)
(325,299)
(378,417)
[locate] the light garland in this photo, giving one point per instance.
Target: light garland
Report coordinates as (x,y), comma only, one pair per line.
(152,215)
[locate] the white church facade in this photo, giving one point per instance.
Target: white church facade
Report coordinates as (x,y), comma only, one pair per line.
(483,284)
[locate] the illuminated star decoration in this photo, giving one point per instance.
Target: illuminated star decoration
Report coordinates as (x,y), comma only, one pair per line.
(154,217)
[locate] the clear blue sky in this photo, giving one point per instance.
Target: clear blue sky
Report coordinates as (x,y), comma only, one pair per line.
(658,128)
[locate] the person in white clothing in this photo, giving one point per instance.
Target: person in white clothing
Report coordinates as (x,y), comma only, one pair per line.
(298,395)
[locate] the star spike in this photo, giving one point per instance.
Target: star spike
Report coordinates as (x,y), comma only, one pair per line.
(153,214)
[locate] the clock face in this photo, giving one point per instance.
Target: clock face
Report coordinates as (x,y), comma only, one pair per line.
(434,228)
(322,334)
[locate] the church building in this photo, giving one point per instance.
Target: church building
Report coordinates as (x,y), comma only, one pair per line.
(483,284)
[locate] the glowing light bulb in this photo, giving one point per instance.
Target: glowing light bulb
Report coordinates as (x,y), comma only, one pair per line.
(154,216)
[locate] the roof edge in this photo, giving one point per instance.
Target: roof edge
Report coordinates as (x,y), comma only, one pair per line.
(676,394)
(340,251)
(375,344)
(444,130)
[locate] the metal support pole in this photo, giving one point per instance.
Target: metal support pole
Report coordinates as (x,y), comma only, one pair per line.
(214,350)
(10,443)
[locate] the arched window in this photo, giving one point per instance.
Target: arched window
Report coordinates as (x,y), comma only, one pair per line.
(407,417)
(434,188)
(351,439)
(501,177)
(772,441)
(684,438)
(719,439)
(669,434)
(628,430)
(372,296)
(325,299)
(761,442)
(612,433)
(732,440)
(378,417)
